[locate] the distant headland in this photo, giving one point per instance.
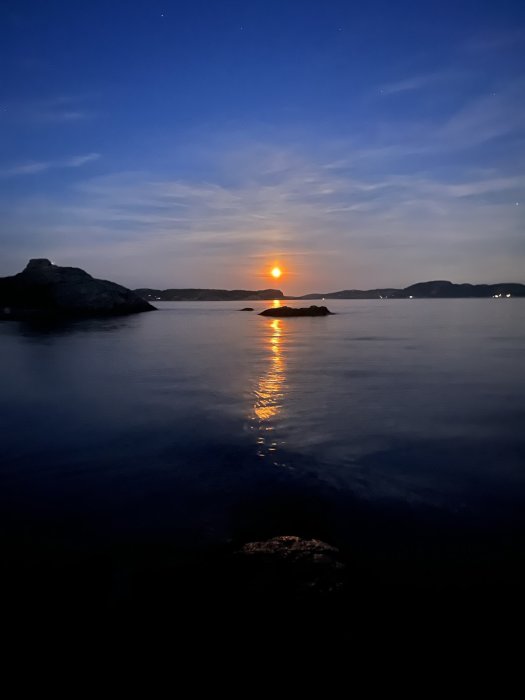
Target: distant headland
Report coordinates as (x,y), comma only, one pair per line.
(209,294)
(437,289)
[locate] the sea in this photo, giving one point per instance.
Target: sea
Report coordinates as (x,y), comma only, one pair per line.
(393,430)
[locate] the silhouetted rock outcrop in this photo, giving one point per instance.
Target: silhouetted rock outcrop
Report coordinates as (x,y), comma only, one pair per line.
(289,311)
(44,289)
(290,566)
(247,308)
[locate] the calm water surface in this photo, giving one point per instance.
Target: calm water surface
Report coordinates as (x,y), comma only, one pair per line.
(199,422)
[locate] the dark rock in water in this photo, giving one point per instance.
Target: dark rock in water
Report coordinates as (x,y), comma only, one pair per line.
(291,566)
(288,311)
(247,308)
(44,289)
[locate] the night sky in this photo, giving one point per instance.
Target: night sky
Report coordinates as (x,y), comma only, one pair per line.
(177,144)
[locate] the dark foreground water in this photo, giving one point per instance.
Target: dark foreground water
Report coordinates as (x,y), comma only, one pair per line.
(394,430)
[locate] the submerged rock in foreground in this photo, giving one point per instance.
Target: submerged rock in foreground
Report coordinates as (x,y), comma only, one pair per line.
(288,311)
(290,565)
(44,289)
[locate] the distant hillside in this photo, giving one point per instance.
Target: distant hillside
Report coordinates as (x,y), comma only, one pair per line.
(357,294)
(208,294)
(437,289)
(444,290)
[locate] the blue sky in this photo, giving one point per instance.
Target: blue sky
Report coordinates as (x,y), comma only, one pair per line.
(199,143)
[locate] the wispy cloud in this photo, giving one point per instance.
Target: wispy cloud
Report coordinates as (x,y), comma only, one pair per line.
(495,41)
(60,116)
(60,110)
(46,112)
(35,167)
(78,161)
(486,118)
(481,119)
(412,83)
(179,230)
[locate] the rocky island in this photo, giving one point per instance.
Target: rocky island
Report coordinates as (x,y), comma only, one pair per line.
(44,290)
(289,311)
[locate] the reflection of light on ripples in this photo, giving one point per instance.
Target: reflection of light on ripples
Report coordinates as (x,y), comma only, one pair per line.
(269,394)
(269,391)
